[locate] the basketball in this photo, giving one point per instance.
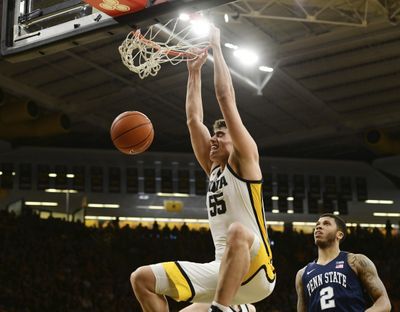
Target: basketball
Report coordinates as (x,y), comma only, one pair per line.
(132,132)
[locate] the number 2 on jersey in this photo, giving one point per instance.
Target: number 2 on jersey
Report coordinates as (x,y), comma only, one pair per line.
(327,300)
(216,204)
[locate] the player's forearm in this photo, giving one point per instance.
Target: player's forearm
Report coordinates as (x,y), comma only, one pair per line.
(194,106)
(382,304)
(301,308)
(222,78)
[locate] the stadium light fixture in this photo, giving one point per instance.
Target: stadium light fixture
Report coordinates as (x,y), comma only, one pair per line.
(246,56)
(184,17)
(201,27)
(226,18)
(266,69)
(231,46)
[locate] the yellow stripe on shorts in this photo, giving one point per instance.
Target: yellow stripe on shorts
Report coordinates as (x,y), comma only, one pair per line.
(263,260)
(259,262)
(180,280)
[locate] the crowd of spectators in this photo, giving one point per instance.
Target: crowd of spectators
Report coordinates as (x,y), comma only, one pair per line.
(53,265)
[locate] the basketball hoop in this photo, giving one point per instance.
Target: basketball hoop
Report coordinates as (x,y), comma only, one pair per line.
(172,42)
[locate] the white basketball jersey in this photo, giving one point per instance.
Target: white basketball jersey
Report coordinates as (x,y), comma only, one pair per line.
(233,199)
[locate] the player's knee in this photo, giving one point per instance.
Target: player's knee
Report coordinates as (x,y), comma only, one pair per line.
(141,280)
(238,234)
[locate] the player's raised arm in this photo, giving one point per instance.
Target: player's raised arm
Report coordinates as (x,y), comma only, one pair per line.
(243,143)
(369,278)
(199,134)
(301,301)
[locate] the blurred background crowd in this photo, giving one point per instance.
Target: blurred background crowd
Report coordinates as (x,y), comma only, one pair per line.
(53,265)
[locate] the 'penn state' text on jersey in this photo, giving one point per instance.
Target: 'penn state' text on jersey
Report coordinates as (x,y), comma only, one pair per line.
(333,287)
(233,199)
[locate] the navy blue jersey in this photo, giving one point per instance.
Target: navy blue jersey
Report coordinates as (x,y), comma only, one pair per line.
(333,286)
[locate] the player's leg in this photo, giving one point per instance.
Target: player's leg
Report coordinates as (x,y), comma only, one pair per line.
(181,281)
(143,282)
(235,263)
(196,307)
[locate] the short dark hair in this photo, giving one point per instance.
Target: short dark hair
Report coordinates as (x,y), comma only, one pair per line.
(218,124)
(341,225)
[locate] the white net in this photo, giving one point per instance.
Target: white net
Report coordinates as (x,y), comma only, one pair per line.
(173,42)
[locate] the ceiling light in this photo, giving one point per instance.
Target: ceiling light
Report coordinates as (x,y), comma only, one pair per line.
(94,205)
(226,18)
(266,69)
(146,219)
(275,197)
(247,57)
(151,207)
(35,203)
(22,8)
(129,219)
(275,222)
(52,175)
(200,27)
(184,17)
(386,214)
(379,201)
(303,223)
(369,225)
(100,218)
(231,46)
(173,194)
(52,190)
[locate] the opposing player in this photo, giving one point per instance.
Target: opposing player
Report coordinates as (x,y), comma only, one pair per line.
(242,271)
(335,281)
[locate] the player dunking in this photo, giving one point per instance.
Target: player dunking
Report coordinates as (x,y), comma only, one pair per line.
(242,271)
(335,281)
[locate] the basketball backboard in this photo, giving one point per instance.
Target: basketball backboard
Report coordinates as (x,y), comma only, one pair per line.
(32,28)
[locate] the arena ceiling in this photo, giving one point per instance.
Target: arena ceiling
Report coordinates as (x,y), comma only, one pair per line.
(336,76)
